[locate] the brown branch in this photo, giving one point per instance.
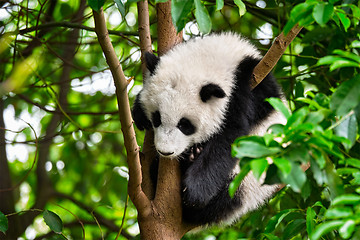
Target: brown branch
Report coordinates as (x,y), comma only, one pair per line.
(273,55)
(136,194)
(149,153)
(167,35)
(144,31)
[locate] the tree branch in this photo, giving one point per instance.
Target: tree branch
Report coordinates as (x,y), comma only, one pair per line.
(136,194)
(148,152)
(273,55)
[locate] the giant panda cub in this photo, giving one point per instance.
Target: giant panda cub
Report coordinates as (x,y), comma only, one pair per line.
(197,99)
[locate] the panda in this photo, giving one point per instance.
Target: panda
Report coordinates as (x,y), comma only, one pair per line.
(197,99)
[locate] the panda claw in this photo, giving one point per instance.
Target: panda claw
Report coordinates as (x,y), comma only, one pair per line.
(191,157)
(198,151)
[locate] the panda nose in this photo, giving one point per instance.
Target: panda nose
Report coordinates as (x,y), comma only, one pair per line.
(166,153)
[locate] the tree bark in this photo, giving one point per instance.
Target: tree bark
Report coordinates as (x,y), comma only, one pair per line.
(6,194)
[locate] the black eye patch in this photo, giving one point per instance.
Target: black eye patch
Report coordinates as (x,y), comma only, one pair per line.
(186,127)
(156,119)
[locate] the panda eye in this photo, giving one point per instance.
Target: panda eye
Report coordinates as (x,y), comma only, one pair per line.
(156,119)
(186,127)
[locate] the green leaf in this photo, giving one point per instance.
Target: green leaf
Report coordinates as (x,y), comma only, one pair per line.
(269,236)
(315,117)
(241,6)
(355,44)
(96,5)
(343,63)
(352,162)
(347,229)
(202,17)
(293,228)
(179,12)
(4,225)
(120,6)
(327,60)
(237,180)
(338,212)
(336,62)
(346,97)
(310,220)
(219,4)
(276,220)
(258,167)
(296,179)
(346,199)
(297,118)
(283,164)
(345,21)
(53,221)
(279,106)
(324,228)
(349,55)
(253,149)
(323,12)
(298,13)
(348,129)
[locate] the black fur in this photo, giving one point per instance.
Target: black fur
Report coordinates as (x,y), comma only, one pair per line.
(156,119)
(186,127)
(206,178)
(151,61)
(139,117)
(211,90)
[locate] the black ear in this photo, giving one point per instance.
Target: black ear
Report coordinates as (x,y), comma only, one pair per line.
(211,90)
(151,61)
(245,70)
(140,119)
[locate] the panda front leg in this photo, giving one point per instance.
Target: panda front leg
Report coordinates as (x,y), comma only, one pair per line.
(208,174)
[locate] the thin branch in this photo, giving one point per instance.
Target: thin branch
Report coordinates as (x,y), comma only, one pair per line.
(30,101)
(273,55)
(97,217)
(52,25)
(136,194)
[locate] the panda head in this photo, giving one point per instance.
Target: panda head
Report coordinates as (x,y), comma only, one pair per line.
(187,92)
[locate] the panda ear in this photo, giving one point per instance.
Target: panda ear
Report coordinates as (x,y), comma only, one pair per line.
(211,90)
(151,61)
(140,119)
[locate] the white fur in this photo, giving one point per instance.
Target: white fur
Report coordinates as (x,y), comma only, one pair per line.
(174,88)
